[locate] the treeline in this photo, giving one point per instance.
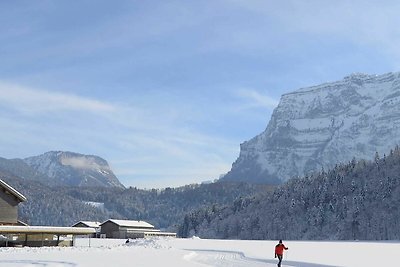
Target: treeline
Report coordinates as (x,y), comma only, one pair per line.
(163,208)
(64,206)
(357,200)
(49,206)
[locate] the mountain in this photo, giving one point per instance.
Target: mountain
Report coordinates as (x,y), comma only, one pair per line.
(18,168)
(74,169)
(319,126)
(358,200)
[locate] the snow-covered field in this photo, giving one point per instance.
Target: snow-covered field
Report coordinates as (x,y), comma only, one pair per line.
(200,252)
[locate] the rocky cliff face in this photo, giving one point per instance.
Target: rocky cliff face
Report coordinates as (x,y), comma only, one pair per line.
(323,125)
(74,169)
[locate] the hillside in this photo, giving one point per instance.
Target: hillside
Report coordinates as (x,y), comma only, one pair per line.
(358,200)
(65,205)
(164,208)
(48,206)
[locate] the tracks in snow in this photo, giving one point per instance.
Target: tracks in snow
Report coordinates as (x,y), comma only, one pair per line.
(225,259)
(35,263)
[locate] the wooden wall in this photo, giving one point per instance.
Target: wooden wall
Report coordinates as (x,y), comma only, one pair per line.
(110,229)
(8,208)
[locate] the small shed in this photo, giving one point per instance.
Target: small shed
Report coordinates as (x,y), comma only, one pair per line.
(9,200)
(89,224)
(125,228)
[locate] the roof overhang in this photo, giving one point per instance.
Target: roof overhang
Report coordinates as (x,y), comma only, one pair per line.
(7,229)
(88,224)
(129,223)
(12,191)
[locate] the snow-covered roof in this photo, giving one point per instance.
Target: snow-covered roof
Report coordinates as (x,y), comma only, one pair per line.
(14,192)
(88,224)
(47,230)
(129,223)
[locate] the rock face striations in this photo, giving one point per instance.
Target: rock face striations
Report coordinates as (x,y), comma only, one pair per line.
(74,169)
(320,126)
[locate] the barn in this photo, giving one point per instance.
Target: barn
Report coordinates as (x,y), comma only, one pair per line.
(130,229)
(125,228)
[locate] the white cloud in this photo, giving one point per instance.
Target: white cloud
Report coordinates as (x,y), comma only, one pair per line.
(30,100)
(254,98)
(81,162)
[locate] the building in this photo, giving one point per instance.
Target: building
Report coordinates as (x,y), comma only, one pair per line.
(130,229)
(125,228)
(9,200)
(89,224)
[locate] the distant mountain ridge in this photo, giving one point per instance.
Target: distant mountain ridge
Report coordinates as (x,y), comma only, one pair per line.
(74,169)
(319,126)
(57,168)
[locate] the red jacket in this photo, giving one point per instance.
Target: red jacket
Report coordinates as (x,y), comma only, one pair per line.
(279,249)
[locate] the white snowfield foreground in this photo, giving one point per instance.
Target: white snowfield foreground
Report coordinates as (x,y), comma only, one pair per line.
(199,252)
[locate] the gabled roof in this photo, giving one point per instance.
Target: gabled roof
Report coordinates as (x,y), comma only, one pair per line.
(88,224)
(12,191)
(129,223)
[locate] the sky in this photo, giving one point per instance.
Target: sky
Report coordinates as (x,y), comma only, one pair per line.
(166,91)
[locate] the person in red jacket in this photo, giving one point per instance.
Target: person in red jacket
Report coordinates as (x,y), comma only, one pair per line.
(279,252)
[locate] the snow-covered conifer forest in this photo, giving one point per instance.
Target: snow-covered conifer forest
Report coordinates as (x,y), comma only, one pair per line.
(353,201)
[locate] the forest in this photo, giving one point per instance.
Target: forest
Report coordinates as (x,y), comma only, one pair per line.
(164,208)
(358,200)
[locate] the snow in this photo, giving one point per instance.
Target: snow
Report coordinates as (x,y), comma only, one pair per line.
(197,252)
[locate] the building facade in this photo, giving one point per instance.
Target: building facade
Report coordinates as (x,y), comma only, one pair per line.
(130,229)
(125,228)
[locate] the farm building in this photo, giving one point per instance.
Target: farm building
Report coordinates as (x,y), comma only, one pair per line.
(130,229)
(89,224)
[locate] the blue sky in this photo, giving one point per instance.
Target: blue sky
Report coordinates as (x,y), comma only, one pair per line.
(166,91)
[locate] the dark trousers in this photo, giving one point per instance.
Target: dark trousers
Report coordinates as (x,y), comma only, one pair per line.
(280,257)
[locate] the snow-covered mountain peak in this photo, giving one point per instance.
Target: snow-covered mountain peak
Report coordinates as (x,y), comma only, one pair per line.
(322,125)
(74,169)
